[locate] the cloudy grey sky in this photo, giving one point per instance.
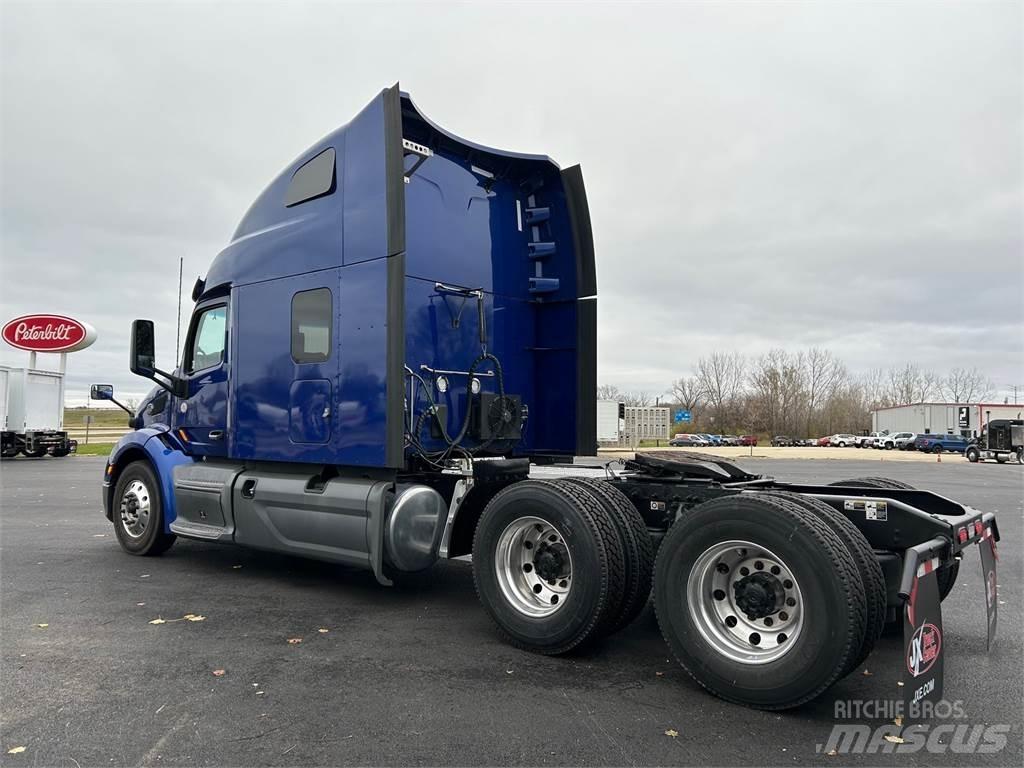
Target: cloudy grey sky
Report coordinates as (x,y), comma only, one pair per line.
(759,175)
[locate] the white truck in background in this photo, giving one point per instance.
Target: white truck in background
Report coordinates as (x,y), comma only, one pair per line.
(32,413)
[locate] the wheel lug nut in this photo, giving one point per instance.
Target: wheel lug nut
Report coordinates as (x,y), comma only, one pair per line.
(744,571)
(787,584)
(730,621)
(790,602)
(527,567)
(755,639)
(783,615)
(537,588)
(722,568)
(759,565)
(718,594)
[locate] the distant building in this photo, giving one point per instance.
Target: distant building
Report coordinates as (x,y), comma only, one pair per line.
(941,418)
(647,422)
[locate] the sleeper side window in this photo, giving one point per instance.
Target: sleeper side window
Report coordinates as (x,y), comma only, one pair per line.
(314,178)
(312,326)
(207,347)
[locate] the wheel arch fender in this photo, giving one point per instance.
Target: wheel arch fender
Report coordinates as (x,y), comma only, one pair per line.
(161,451)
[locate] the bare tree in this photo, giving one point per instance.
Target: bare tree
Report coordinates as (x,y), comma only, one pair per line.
(778,381)
(966,386)
(910,384)
(638,399)
(721,376)
(823,375)
(686,392)
(609,392)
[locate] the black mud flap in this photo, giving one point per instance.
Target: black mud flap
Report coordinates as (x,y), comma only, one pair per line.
(922,640)
(987,545)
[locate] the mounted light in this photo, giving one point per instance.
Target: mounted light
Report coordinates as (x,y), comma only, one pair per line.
(441,383)
(962,535)
(474,386)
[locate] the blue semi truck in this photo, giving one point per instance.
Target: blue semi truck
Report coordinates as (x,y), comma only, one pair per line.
(401,329)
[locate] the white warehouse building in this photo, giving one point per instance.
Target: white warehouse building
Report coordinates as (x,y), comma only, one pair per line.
(942,418)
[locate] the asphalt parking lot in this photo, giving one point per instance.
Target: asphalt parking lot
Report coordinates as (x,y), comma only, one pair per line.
(413,675)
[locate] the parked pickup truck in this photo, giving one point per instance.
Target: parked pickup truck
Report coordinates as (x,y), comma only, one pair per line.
(869,440)
(359,369)
(895,440)
(940,443)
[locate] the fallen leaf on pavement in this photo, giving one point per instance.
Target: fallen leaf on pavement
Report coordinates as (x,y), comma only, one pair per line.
(218,673)
(140,604)
(294,640)
(659,674)
(193,617)
(236,567)
(158,621)
(893,739)
(831,753)
(323,631)
(15,750)
(259,693)
(99,535)
(42,626)
(867,673)
(672,733)
(899,683)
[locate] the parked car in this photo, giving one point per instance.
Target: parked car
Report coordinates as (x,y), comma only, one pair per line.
(710,439)
(748,440)
(940,443)
(911,444)
(781,440)
(895,440)
(730,440)
(842,440)
(687,441)
(824,441)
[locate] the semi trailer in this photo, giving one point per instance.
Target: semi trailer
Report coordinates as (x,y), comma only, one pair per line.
(32,413)
(401,329)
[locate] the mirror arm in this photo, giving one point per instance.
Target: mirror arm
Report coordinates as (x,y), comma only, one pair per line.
(123,407)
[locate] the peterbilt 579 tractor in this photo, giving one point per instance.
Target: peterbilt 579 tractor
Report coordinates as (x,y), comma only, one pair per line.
(402,327)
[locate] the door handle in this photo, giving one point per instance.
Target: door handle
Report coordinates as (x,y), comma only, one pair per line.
(248,489)
(216,434)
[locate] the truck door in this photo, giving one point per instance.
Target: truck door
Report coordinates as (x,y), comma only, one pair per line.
(202,415)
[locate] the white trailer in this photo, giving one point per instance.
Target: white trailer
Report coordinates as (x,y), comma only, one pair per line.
(32,410)
(609,426)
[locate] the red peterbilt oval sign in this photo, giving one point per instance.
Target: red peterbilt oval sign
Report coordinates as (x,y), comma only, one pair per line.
(48,333)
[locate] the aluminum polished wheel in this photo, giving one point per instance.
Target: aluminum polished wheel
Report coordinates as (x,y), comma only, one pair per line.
(745,602)
(533,567)
(135,509)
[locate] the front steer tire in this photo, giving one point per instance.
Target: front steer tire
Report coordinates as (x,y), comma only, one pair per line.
(138,485)
(832,602)
(581,564)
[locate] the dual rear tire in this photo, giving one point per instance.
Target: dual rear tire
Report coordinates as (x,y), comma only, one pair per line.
(561,564)
(762,600)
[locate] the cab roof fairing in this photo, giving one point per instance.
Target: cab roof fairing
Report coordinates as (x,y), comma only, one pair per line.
(445,139)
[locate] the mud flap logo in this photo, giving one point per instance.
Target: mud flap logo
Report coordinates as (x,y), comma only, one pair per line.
(925,645)
(922,643)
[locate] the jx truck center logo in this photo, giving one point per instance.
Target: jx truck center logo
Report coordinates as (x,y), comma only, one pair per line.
(990,589)
(924,649)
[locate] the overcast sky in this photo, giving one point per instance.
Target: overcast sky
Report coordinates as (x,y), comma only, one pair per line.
(759,175)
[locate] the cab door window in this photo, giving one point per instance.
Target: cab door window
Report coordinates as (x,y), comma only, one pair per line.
(209,337)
